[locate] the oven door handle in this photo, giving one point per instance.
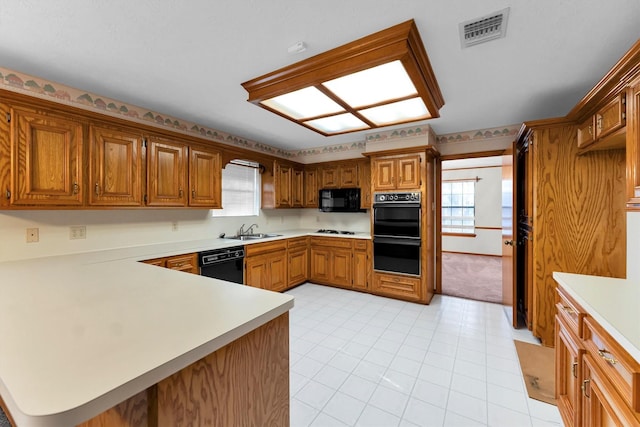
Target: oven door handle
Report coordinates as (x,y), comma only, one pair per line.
(407,241)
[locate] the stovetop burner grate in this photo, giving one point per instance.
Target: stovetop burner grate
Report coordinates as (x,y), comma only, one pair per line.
(328,231)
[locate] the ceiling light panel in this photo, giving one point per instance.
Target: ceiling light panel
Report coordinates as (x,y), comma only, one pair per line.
(372,86)
(397,112)
(326,92)
(303,104)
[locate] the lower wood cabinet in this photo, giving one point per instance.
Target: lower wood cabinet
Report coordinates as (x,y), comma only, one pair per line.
(187,263)
(361,264)
(266,265)
(297,260)
(331,261)
(397,286)
(597,382)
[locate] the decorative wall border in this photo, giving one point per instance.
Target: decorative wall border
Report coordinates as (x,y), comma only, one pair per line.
(24,83)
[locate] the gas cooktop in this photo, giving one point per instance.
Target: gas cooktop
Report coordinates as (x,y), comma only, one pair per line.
(322,230)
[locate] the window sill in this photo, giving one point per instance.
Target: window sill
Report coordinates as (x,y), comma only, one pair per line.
(460,234)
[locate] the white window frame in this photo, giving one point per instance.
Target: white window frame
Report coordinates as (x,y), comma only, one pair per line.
(241,189)
(455,213)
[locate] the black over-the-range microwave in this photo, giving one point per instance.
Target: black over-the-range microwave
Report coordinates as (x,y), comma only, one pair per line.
(339,200)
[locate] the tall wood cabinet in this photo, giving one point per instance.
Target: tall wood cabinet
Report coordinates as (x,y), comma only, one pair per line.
(400,172)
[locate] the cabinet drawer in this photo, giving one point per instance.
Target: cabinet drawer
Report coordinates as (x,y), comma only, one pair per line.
(621,369)
(261,248)
(360,245)
(395,285)
(297,242)
(188,263)
(334,242)
(570,312)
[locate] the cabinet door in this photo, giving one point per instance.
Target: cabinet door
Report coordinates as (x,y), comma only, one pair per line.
(569,355)
(311,188)
(341,267)
(360,270)
(365,184)
(297,188)
(283,186)
(329,177)
(115,168)
(349,175)
(298,263)
(602,405)
(586,132)
(383,171)
(611,117)
(205,178)
(277,272)
(166,173)
(320,264)
(47,159)
(408,173)
(256,272)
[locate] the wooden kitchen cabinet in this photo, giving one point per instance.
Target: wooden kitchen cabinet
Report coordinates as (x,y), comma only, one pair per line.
(605,129)
(397,286)
(187,263)
(311,187)
(266,265)
(332,261)
(167,168)
(396,173)
(297,188)
(633,146)
(349,177)
(115,166)
(361,264)
(205,178)
(297,261)
(364,171)
(597,381)
(330,176)
(47,158)
(284,188)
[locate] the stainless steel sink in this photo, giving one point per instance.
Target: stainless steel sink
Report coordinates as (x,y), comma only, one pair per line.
(254,236)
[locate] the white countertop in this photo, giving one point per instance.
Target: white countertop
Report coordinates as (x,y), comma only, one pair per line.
(613,303)
(81,333)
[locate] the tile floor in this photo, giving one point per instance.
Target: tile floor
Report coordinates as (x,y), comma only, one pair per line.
(363,360)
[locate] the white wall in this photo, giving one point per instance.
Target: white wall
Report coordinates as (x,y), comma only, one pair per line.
(313,219)
(488,212)
(633,247)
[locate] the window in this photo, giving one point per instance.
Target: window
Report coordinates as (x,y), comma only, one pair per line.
(458,206)
(240,190)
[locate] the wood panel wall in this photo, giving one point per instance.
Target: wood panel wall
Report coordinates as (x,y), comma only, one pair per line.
(579,217)
(245,383)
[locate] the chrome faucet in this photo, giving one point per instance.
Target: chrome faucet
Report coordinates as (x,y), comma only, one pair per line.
(241,231)
(250,229)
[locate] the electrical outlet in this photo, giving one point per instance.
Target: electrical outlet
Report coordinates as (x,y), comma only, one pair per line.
(77,232)
(174,226)
(33,235)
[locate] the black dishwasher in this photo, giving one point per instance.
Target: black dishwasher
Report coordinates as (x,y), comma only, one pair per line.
(225,264)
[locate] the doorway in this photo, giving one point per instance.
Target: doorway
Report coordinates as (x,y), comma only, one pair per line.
(472,216)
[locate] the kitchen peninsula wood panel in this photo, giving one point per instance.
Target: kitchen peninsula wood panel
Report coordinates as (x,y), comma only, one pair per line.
(244,383)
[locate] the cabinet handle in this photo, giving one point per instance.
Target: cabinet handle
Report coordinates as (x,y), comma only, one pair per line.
(584,388)
(599,122)
(97,189)
(574,365)
(76,188)
(193,193)
(568,310)
(591,130)
(603,353)
(180,192)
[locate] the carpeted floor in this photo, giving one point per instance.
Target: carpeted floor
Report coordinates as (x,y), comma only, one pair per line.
(477,277)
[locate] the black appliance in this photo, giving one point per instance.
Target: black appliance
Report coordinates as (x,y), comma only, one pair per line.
(396,232)
(225,264)
(328,231)
(339,200)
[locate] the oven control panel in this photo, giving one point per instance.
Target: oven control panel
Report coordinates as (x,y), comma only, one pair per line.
(396,197)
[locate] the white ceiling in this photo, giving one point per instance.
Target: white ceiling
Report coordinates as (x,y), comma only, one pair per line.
(188,58)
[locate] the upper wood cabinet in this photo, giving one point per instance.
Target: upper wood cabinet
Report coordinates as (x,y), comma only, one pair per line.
(166,172)
(633,147)
(297,188)
(364,171)
(329,177)
(396,173)
(310,187)
(205,178)
(47,156)
(341,174)
(115,167)
(284,188)
(605,129)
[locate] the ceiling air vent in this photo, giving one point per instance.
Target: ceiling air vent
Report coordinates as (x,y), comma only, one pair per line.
(484,29)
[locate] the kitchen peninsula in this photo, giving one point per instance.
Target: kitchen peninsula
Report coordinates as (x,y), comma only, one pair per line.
(100,339)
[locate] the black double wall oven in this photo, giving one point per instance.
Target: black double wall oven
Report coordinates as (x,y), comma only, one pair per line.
(396,233)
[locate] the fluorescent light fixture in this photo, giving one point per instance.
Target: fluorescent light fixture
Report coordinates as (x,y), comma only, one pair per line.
(379,80)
